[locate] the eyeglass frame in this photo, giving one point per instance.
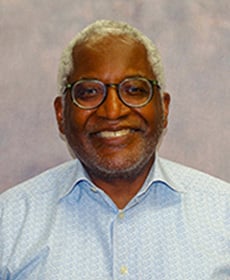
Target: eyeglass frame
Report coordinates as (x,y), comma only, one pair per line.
(117,86)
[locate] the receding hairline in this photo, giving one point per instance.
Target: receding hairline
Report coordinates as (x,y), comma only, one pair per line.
(106,28)
(94,40)
(106,44)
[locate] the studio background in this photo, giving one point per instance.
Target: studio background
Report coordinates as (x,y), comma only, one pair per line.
(194,41)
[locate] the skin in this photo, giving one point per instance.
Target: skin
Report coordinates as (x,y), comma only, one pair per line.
(115,143)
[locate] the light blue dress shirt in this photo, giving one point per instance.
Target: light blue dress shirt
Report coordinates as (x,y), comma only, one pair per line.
(59,226)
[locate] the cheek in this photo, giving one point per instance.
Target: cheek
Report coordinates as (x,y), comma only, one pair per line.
(73,120)
(152,114)
(76,121)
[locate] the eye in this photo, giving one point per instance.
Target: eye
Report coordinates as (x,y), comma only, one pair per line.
(87,90)
(84,93)
(135,88)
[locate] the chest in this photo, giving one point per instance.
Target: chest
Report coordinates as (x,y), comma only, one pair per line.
(147,241)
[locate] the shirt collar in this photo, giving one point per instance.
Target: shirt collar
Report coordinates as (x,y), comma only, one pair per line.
(160,172)
(73,174)
(166,170)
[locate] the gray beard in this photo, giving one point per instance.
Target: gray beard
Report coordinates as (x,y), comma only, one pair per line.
(106,171)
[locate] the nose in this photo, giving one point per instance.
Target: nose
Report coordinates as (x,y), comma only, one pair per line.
(112,108)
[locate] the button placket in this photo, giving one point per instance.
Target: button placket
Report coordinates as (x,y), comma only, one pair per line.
(120,233)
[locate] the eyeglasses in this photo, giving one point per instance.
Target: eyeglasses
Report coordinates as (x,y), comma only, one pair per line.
(134,92)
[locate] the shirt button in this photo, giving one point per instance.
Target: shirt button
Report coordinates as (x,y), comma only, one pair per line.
(121,215)
(124,270)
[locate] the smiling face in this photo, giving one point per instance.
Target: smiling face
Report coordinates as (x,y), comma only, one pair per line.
(113,140)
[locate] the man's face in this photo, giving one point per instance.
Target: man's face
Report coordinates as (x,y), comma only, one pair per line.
(113,140)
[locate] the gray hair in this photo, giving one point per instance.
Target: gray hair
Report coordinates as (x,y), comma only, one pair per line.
(97,31)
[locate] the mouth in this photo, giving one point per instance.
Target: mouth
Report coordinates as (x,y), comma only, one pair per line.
(110,140)
(114,134)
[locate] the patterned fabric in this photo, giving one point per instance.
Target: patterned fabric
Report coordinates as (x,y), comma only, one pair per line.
(59,226)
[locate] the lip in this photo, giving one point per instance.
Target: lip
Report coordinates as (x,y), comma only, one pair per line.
(115,135)
(107,134)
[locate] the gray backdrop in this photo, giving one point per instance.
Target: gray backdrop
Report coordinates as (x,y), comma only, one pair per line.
(194,40)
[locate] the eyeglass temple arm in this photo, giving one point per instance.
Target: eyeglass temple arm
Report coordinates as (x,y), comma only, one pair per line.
(155,83)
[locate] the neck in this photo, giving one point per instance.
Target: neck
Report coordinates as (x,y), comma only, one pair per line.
(122,190)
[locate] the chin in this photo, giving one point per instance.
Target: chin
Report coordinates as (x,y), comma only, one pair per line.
(125,169)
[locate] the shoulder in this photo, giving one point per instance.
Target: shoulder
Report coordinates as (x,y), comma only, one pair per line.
(44,184)
(29,207)
(192,180)
(204,198)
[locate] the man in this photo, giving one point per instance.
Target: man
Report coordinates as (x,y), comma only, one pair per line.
(117,211)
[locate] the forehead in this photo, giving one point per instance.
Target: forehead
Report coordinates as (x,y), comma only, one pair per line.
(111,53)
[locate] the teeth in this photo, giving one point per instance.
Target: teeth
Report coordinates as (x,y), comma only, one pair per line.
(112,134)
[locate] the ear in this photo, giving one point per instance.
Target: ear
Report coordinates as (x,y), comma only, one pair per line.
(59,110)
(166,102)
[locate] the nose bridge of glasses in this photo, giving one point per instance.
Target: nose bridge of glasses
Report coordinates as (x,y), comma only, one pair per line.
(115,87)
(119,91)
(112,107)
(112,85)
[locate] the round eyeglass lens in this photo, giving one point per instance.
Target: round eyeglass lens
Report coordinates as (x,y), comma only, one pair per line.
(88,94)
(135,92)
